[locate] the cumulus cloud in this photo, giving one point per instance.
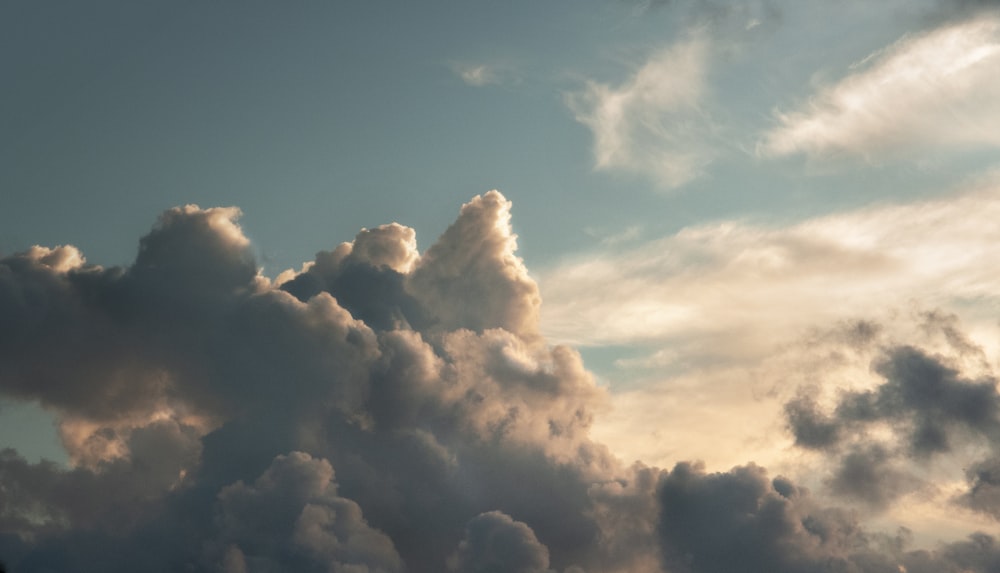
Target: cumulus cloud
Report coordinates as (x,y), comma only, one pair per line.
(495,543)
(291,517)
(933,91)
(201,401)
(655,123)
(379,410)
(774,525)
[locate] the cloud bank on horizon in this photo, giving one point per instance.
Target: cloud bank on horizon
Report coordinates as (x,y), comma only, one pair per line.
(384,410)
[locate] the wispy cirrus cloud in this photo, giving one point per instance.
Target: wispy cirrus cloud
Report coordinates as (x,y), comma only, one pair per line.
(937,90)
(654,123)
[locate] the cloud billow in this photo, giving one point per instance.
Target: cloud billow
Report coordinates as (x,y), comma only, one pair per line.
(381,410)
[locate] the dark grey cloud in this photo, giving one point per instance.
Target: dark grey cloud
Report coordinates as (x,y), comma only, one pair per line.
(924,406)
(984,487)
(868,474)
(811,428)
(495,543)
(291,517)
(930,395)
(764,525)
(381,410)
(927,401)
(742,521)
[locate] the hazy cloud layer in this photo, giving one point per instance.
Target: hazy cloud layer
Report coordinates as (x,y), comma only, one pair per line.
(381,410)
(722,281)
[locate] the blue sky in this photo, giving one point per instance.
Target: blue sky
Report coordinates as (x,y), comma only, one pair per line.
(710,195)
(330,116)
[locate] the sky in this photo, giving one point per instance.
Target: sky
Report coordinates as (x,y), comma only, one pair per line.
(616,286)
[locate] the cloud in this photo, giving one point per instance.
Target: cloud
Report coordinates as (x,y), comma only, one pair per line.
(725,323)
(774,525)
(867,474)
(984,487)
(923,407)
(477,75)
(292,517)
(380,410)
(205,407)
(722,281)
(495,542)
(811,428)
(924,398)
(937,91)
(655,122)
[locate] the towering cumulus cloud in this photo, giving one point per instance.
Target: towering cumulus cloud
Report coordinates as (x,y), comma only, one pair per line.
(384,410)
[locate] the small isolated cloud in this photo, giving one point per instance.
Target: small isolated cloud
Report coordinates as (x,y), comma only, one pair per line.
(478,75)
(938,90)
(654,123)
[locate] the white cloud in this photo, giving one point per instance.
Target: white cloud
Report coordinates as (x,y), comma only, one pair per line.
(654,122)
(739,281)
(477,75)
(937,90)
